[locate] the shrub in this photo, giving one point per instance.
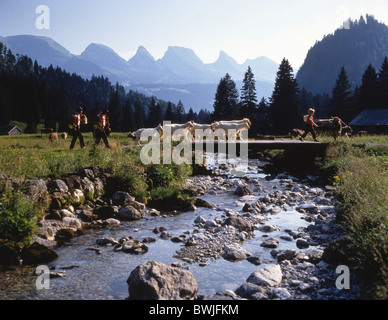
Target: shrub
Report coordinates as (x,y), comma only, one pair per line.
(18,218)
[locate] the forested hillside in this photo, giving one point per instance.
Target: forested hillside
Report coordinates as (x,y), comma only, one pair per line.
(36,95)
(362,43)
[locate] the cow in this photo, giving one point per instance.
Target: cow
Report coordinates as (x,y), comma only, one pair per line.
(188,127)
(203,130)
(53,136)
(331,126)
(222,127)
(148,132)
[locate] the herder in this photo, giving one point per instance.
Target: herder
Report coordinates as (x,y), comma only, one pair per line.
(103,128)
(78,118)
(310,126)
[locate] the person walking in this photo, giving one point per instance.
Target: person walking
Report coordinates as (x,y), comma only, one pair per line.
(310,126)
(78,118)
(103,128)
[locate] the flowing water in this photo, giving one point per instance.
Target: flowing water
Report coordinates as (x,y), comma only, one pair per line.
(93,276)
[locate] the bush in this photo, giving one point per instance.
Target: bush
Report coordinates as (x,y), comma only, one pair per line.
(18,218)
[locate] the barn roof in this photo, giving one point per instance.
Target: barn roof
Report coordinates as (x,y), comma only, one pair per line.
(5,130)
(373,117)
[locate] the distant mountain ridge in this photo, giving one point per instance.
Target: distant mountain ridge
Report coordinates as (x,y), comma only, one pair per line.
(364,42)
(177,68)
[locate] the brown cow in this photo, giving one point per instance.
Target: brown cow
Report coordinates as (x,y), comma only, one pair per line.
(331,126)
(53,136)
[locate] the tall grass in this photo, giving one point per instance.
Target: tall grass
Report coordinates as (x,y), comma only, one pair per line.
(34,157)
(358,168)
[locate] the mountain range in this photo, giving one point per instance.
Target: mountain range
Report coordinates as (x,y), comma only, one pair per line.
(179,75)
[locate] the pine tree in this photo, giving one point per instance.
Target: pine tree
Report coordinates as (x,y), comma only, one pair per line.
(226,104)
(139,115)
(383,85)
(5,110)
(248,95)
(369,89)
(284,113)
(341,97)
(155,114)
(115,112)
(128,124)
(169,113)
(179,116)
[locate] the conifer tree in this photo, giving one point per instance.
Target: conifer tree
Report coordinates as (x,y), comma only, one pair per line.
(226,104)
(341,97)
(369,89)
(139,115)
(115,112)
(128,124)
(169,112)
(248,95)
(383,85)
(284,113)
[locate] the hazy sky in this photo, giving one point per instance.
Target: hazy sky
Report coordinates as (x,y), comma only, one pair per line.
(244,29)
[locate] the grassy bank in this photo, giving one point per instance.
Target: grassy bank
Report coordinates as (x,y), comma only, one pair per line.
(34,157)
(358,168)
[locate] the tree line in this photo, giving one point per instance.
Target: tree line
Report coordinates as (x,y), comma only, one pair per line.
(288,103)
(37,95)
(34,94)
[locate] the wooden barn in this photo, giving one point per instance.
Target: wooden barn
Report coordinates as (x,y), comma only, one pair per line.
(373,121)
(10,131)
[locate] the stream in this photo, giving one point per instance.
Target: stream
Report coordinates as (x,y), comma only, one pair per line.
(94,272)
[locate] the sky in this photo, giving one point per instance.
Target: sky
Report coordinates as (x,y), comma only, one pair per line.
(244,29)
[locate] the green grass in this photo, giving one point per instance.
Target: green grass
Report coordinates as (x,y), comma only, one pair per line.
(35,157)
(358,167)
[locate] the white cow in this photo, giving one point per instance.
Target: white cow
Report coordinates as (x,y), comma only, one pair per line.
(224,127)
(202,130)
(149,132)
(171,128)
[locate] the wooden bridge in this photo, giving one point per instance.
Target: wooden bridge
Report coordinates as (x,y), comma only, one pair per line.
(252,146)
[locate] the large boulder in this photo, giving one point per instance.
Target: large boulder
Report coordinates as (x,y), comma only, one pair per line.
(129,213)
(239,223)
(156,281)
(270,275)
(37,253)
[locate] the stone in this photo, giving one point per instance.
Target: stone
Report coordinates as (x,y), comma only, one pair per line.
(153,280)
(121,198)
(105,241)
(281,293)
(72,223)
(243,190)
(129,213)
(235,253)
(239,223)
(35,189)
(302,244)
(246,290)
(37,253)
(270,243)
(134,246)
(88,188)
(270,275)
(57,185)
(255,260)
